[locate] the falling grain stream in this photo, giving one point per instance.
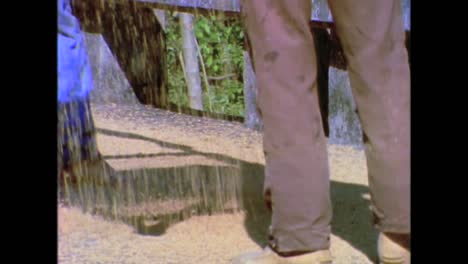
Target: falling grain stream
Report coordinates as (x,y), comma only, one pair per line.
(188,190)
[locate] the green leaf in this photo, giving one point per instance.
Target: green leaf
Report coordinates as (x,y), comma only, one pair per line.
(209,61)
(206,28)
(199,34)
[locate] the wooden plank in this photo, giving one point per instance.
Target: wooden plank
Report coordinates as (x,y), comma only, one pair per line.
(230,7)
(92,13)
(227,8)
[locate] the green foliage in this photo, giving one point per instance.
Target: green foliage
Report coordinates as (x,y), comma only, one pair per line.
(227,98)
(177,87)
(220,41)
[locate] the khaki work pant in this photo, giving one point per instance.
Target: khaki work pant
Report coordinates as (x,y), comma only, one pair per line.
(297,173)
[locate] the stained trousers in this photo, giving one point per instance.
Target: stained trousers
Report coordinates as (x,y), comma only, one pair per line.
(297,174)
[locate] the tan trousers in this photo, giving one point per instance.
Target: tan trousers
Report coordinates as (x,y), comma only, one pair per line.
(297,173)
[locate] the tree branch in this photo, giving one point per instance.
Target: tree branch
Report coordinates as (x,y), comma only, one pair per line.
(219,78)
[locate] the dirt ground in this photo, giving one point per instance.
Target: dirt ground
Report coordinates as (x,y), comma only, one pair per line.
(137,139)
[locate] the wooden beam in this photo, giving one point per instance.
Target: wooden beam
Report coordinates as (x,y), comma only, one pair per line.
(330,53)
(227,8)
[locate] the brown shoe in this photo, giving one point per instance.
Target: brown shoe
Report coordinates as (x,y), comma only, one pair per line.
(268,256)
(391,252)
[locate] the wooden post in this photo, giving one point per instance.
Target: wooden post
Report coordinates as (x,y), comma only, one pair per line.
(252,117)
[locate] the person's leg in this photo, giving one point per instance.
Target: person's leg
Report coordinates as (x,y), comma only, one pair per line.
(78,156)
(89,150)
(69,134)
(297,173)
(69,148)
(86,175)
(373,38)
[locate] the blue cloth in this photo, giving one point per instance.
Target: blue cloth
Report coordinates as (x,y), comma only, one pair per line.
(76,131)
(74,72)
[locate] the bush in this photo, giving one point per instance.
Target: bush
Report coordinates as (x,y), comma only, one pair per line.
(221,45)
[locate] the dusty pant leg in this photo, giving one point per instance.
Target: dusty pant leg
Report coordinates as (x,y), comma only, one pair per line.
(89,147)
(373,39)
(76,133)
(69,134)
(297,173)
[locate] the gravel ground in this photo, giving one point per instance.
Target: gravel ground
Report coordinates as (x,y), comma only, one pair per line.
(138,138)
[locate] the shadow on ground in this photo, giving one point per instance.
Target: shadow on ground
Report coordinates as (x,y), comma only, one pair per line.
(152,199)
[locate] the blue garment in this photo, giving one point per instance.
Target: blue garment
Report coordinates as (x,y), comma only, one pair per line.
(74,72)
(76,131)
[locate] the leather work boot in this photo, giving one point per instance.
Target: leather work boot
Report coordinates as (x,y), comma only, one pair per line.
(268,256)
(391,252)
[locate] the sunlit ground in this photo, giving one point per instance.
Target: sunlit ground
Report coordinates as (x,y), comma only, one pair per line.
(146,149)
